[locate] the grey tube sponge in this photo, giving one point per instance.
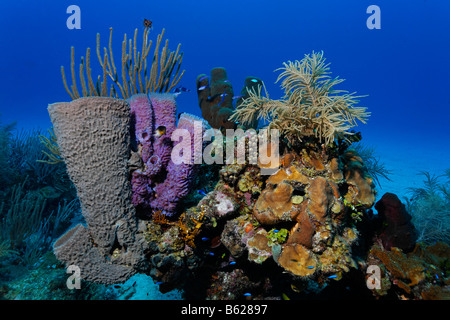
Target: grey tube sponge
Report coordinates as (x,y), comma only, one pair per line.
(93,135)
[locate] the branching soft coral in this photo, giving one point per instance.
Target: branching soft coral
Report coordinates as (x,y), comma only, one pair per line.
(429,207)
(311,106)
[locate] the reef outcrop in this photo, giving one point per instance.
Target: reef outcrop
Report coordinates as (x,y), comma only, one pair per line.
(316,212)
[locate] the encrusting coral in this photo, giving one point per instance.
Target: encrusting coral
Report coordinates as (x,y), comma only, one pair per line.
(420,274)
(311,106)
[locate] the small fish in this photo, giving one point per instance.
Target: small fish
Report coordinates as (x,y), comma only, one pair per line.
(181,89)
(203,193)
(117,286)
(227,81)
(134,284)
(161,130)
(275,231)
(147,23)
(436,276)
(223,95)
(232,262)
(202,88)
(205,239)
(294,260)
(202,78)
(211,253)
(247,294)
(159,282)
(237,97)
(333,276)
(310,267)
(254,80)
(223,256)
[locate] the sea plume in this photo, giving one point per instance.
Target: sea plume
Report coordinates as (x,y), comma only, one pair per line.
(310,107)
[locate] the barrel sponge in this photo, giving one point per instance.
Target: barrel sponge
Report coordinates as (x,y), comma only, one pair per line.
(75,247)
(93,135)
(298,260)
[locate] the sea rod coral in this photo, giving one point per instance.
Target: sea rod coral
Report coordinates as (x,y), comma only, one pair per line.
(135,74)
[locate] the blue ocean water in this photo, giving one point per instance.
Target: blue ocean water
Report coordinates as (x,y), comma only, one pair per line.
(403,68)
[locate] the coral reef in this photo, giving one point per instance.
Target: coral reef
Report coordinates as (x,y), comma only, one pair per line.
(244,230)
(309,201)
(118,141)
(216,97)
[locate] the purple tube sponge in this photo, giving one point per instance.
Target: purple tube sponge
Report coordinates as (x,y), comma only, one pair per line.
(180,175)
(165,110)
(143,120)
(162,183)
